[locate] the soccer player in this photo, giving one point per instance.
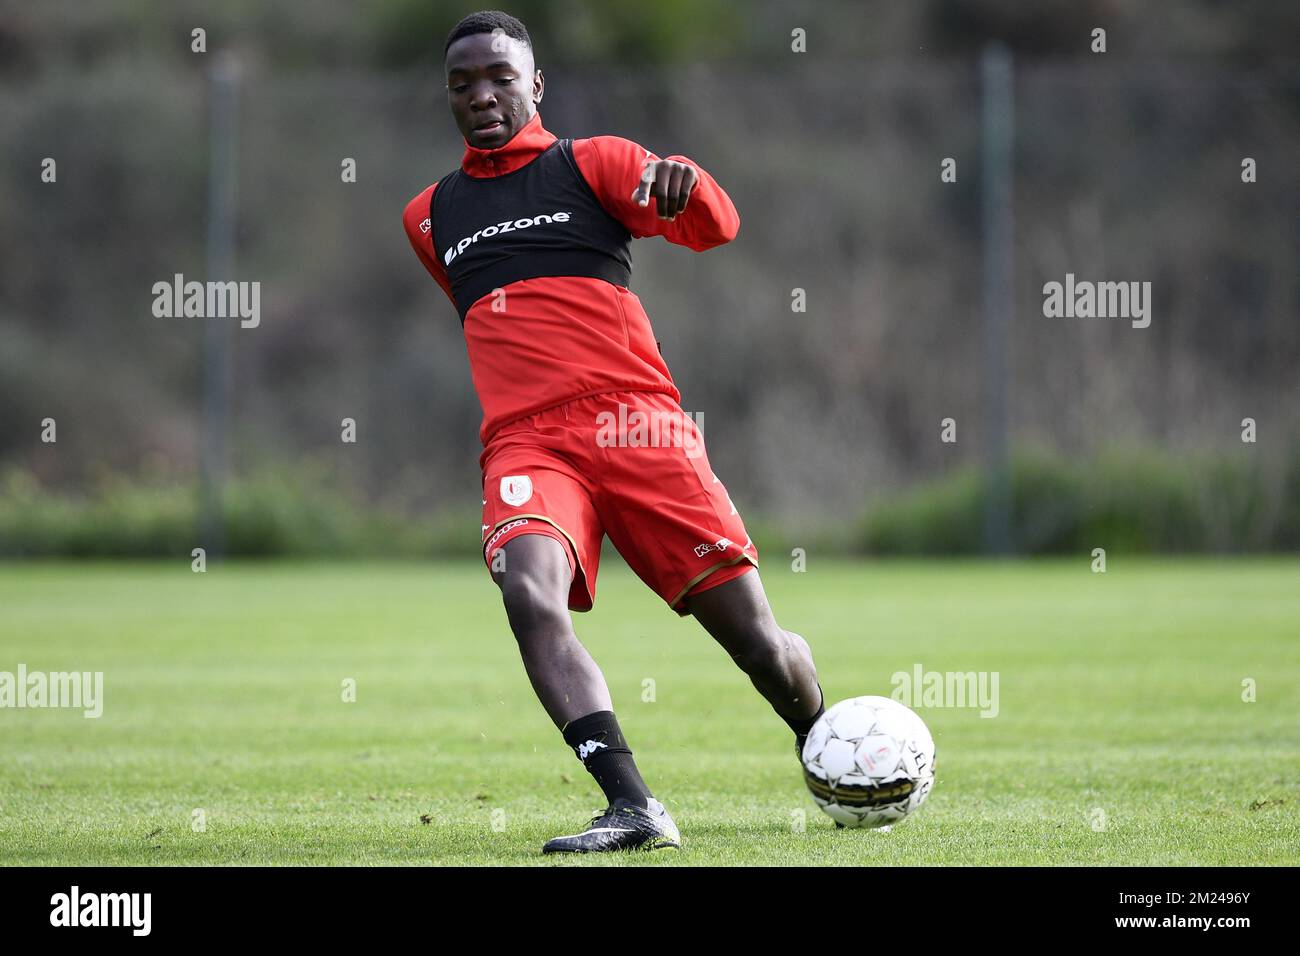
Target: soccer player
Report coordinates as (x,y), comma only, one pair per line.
(582,432)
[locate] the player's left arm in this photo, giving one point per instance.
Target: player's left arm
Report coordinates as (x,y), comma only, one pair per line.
(418,226)
(673,197)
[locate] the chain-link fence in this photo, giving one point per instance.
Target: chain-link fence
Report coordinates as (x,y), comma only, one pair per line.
(1122,172)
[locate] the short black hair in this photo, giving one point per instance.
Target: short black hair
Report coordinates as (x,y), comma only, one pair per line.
(489,21)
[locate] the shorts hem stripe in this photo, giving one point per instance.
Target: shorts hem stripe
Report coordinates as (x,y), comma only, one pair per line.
(704,574)
(577,555)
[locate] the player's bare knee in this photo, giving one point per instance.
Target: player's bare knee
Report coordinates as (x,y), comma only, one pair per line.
(767,655)
(534,602)
(798,644)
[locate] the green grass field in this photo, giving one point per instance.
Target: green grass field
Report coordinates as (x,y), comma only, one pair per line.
(1119,693)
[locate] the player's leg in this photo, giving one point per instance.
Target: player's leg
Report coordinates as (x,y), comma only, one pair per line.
(778,662)
(534,574)
(541,540)
(674,523)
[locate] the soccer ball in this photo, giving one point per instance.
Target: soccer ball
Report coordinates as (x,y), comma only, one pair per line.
(869,762)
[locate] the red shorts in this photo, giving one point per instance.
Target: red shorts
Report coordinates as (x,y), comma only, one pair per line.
(630,465)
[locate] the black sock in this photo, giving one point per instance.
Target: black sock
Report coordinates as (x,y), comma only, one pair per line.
(599,744)
(802,725)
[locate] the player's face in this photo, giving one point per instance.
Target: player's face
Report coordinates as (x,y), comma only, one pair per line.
(492,86)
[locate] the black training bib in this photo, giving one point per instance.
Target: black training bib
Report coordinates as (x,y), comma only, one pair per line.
(540,220)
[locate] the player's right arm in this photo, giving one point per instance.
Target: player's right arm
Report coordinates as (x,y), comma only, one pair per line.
(628,180)
(419,231)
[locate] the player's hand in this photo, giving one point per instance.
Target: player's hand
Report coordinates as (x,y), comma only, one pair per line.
(670,183)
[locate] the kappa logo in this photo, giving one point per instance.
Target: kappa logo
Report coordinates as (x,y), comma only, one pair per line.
(722,544)
(589,748)
(508,526)
(507,226)
(516,489)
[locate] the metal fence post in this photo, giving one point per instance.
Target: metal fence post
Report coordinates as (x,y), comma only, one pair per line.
(223,85)
(998,136)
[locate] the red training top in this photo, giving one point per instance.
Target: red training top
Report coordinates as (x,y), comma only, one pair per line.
(565,337)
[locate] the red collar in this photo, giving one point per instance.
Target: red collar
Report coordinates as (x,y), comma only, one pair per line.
(522,149)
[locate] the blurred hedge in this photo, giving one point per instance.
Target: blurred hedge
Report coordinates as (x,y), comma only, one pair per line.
(1137,501)
(276,513)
